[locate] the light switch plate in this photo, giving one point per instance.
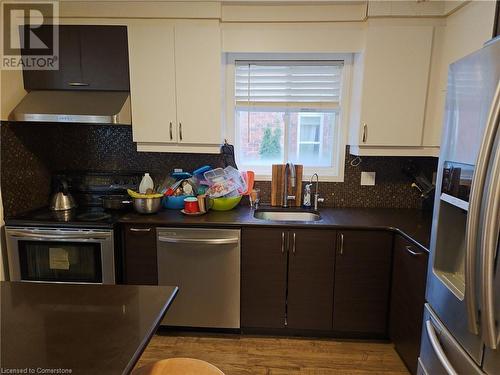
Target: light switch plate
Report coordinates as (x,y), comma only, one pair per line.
(367,178)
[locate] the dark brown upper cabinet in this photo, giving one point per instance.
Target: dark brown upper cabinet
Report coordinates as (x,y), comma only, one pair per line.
(140,258)
(409,273)
(362,282)
(287,278)
(90,58)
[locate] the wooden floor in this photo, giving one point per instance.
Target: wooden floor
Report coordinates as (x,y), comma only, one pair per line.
(242,355)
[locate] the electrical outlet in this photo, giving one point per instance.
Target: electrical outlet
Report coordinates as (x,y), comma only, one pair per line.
(367,178)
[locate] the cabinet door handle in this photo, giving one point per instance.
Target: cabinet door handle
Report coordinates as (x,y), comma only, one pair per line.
(412,253)
(341,243)
(171,134)
(140,229)
(282,242)
(294,242)
(180,131)
(365,132)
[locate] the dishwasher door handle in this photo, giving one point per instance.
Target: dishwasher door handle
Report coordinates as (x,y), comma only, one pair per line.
(200,241)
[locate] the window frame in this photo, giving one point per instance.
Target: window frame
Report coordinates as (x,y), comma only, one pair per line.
(302,115)
(329,174)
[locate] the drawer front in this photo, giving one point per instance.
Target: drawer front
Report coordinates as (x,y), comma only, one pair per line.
(440,353)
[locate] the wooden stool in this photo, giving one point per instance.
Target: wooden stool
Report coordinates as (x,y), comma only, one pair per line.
(178,366)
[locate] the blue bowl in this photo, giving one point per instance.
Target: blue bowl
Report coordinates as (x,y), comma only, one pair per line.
(175,203)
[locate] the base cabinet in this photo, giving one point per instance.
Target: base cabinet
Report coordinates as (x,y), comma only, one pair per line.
(139,247)
(287,278)
(311,257)
(362,282)
(263,278)
(409,273)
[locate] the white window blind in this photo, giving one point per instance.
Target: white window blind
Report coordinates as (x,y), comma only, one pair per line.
(312,84)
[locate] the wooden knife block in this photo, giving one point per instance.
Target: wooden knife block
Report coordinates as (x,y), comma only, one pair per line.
(277,186)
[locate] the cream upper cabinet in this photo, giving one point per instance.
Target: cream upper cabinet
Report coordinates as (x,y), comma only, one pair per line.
(198,74)
(152,81)
(176,86)
(390,87)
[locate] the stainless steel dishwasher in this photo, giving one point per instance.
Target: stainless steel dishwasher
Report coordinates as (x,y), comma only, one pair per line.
(205,265)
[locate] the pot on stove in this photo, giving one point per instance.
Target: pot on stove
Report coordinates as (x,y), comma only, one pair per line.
(62,199)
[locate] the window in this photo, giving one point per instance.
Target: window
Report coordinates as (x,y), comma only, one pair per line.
(289,111)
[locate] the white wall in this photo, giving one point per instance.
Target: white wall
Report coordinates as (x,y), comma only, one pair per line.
(465,31)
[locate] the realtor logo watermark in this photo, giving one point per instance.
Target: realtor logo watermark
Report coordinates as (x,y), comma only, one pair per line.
(30,35)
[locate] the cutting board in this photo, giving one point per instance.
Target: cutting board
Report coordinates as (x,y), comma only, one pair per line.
(278,175)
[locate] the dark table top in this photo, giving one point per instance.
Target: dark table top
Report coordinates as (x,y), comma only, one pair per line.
(411,223)
(90,329)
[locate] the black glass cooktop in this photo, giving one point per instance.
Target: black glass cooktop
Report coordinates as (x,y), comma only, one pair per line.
(84,217)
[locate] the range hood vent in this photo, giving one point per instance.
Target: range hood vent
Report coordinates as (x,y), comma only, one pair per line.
(87,107)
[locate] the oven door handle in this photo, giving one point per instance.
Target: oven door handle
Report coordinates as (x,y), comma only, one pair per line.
(44,237)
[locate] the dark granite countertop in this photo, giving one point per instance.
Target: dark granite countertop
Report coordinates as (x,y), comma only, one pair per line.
(411,223)
(90,329)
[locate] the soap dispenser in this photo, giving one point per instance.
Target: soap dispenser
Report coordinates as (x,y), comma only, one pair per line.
(307,196)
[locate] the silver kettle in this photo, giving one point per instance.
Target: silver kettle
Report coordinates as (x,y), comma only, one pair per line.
(62,199)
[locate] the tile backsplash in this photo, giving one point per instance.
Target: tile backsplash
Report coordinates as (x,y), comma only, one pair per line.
(31,153)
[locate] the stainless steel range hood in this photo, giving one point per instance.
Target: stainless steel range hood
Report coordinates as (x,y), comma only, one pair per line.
(88,107)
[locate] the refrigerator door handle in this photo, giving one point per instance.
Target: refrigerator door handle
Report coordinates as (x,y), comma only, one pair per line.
(431,333)
(473,217)
(489,242)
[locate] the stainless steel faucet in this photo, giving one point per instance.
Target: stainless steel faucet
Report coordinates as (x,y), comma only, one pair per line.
(316,195)
(289,168)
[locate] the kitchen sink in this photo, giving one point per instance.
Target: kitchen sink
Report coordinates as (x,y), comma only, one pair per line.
(286,215)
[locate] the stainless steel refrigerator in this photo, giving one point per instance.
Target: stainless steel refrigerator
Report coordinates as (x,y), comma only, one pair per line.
(461,329)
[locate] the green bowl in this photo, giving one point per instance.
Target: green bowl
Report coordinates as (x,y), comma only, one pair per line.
(225,204)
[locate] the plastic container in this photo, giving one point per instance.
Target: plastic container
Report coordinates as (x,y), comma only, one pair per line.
(146,183)
(223,182)
(181,175)
(198,175)
(249,177)
(214,176)
(234,175)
